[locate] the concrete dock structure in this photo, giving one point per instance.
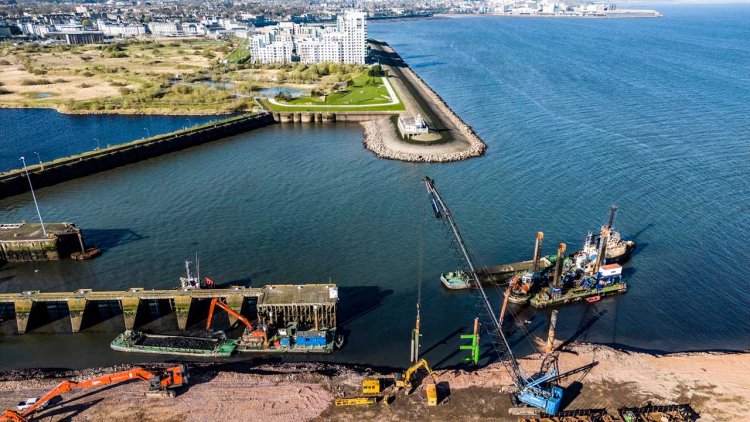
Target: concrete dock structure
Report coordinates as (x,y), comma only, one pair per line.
(306,303)
(23,242)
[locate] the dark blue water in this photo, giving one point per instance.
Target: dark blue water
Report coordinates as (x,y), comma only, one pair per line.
(653,114)
(26,132)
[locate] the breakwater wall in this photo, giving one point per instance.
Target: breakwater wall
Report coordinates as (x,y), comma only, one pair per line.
(327,116)
(63,169)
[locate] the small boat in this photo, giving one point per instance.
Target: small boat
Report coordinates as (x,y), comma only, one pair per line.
(593,299)
(455,280)
(339,341)
(89,253)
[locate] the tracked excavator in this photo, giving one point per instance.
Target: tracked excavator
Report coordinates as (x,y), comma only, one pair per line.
(254,337)
(160,385)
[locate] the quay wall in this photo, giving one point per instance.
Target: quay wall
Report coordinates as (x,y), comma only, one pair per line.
(327,116)
(61,170)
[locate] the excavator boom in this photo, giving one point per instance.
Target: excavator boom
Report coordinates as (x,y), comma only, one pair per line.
(409,373)
(172,378)
(216,302)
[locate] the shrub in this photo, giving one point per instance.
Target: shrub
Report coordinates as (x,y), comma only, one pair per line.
(375,71)
(4,63)
(283,96)
(4,91)
(29,82)
(85,85)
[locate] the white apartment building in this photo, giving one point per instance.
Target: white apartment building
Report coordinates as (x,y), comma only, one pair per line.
(353,27)
(121,30)
(275,52)
(346,42)
(165,29)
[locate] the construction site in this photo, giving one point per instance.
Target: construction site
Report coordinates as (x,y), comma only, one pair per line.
(562,381)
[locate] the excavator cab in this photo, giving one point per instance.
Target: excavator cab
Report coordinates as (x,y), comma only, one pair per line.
(164,385)
(406,380)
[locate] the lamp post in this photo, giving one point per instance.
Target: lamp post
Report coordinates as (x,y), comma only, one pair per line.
(41,164)
(148,134)
(97,144)
(36,204)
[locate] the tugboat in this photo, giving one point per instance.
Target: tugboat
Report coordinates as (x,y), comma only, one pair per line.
(455,280)
(189,281)
(618,250)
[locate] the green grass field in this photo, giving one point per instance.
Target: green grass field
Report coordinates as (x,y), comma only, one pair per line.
(363,91)
(239,55)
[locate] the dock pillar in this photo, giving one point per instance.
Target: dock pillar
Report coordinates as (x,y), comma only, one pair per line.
(129,307)
(235,302)
(538,250)
(76,308)
(182,309)
(559,265)
(600,260)
(23,309)
(551,336)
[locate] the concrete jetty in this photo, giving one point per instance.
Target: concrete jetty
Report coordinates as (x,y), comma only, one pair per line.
(24,242)
(63,169)
(313,302)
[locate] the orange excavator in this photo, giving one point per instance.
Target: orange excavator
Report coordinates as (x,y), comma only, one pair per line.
(159,386)
(253,337)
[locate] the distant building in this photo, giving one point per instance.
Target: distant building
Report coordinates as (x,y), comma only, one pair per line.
(345,42)
(80,37)
(121,30)
(165,29)
(352,25)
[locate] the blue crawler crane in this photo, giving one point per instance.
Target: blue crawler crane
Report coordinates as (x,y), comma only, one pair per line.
(538,390)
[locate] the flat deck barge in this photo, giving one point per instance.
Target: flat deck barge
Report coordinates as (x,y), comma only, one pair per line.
(577,294)
(138,342)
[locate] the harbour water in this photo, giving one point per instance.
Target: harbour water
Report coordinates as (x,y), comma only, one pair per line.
(652,114)
(28,132)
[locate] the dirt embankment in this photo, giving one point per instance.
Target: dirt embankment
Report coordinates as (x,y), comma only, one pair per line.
(717,385)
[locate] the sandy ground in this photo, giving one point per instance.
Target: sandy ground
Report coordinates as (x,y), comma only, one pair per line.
(716,385)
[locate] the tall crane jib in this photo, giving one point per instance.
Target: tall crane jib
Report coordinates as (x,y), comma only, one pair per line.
(537,391)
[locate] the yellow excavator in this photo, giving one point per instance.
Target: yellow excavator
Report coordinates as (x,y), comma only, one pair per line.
(407,381)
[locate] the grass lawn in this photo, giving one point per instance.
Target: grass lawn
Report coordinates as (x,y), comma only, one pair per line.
(363,91)
(239,55)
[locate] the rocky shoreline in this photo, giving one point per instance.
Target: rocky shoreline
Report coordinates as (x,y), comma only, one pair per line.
(383,139)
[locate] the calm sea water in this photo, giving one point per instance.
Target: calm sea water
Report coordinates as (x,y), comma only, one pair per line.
(652,114)
(28,132)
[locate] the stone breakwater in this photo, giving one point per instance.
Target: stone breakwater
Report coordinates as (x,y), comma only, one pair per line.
(380,134)
(382,137)
(463,127)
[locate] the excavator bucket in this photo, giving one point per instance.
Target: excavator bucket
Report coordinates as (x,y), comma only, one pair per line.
(12,416)
(160,394)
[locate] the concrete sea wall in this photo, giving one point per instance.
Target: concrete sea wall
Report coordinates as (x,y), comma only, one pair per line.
(47,174)
(326,116)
